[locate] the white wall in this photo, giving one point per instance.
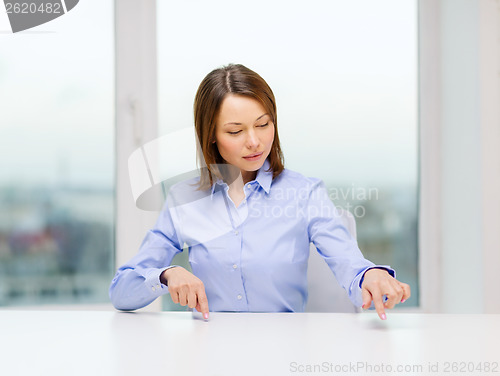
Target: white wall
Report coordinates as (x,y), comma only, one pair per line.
(460,155)
(489,21)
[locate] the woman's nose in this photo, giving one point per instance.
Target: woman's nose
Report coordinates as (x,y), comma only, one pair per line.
(252,140)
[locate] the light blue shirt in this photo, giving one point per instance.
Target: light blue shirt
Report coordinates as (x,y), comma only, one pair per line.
(251,258)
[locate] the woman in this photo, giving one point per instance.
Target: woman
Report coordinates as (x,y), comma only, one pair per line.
(247,221)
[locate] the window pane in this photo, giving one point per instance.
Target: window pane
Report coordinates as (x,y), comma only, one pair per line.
(57,165)
(345,79)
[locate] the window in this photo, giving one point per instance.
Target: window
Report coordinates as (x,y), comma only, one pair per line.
(345,79)
(57,171)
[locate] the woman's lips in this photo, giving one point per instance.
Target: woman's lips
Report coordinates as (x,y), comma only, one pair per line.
(253,157)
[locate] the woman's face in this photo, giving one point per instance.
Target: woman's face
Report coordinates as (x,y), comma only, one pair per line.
(244,134)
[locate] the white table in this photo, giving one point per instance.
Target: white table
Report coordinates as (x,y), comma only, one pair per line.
(180,343)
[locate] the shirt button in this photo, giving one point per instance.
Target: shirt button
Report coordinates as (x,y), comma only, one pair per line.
(236,232)
(235,266)
(153,288)
(239,297)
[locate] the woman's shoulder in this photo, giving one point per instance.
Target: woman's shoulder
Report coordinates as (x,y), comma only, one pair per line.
(186,191)
(191,183)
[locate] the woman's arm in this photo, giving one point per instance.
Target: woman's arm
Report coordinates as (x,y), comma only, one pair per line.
(340,251)
(137,283)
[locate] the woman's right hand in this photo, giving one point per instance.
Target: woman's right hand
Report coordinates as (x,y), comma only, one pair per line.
(186,289)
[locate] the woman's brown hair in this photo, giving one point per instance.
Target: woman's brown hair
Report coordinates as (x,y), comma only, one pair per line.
(229,79)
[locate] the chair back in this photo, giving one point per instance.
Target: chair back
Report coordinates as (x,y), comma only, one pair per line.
(325,293)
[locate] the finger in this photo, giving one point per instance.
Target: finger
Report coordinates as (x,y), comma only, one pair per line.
(202,305)
(182,298)
(191,300)
(367,298)
(406,291)
(394,294)
(379,304)
(175,296)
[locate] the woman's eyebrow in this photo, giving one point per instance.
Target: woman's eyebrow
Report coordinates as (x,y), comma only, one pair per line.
(261,116)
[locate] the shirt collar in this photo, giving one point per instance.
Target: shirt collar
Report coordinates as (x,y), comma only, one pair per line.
(264,178)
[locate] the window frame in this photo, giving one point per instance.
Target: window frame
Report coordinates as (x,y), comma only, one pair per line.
(136,117)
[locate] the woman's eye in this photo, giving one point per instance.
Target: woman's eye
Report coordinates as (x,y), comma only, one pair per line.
(260,126)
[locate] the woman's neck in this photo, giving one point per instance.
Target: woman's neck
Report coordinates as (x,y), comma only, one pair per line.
(248,176)
(236,191)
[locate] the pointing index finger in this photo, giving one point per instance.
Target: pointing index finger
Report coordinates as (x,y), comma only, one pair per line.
(202,305)
(379,304)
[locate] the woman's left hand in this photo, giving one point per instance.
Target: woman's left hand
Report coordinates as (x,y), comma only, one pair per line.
(376,284)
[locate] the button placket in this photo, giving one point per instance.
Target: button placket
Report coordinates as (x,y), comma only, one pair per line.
(237,240)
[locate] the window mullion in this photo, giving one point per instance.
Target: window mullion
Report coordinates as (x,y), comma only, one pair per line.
(136,116)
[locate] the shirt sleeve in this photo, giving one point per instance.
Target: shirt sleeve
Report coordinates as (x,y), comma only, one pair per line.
(335,243)
(137,283)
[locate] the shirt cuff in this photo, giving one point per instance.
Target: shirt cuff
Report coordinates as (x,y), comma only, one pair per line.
(153,283)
